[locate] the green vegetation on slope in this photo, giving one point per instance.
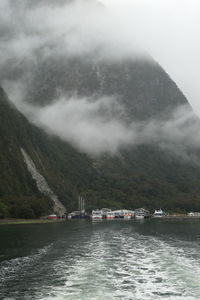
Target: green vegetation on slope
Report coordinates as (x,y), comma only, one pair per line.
(139,176)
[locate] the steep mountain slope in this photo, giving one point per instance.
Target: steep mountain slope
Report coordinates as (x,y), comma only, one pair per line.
(144,175)
(70,57)
(35,168)
(141,85)
(150,177)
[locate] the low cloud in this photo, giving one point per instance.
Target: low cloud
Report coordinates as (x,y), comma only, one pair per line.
(34,36)
(64,29)
(100,125)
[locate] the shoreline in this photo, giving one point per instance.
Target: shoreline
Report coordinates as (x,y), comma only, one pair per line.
(48,221)
(29,221)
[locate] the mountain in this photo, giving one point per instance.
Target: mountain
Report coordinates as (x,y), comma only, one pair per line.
(40,173)
(36,169)
(141,85)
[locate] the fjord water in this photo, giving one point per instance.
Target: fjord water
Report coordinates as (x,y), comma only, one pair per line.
(154,259)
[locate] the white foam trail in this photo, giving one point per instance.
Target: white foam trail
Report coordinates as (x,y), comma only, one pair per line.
(123,266)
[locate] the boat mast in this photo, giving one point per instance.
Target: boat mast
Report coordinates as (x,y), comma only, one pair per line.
(79,203)
(83,208)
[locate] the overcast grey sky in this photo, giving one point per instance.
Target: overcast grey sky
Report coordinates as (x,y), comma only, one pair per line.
(170,31)
(167,29)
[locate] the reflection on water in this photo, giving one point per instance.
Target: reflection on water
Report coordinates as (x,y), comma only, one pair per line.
(94,260)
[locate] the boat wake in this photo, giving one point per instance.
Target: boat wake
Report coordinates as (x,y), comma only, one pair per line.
(128,267)
(108,262)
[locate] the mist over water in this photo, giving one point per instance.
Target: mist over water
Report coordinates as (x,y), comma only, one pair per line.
(110,260)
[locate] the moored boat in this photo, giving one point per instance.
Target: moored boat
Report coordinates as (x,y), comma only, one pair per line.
(104,212)
(141,213)
(139,216)
(97,215)
(127,217)
(123,214)
(110,215)
(78,215)
(158,213)
(53,217)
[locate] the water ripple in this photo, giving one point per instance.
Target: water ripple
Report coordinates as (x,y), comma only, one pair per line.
(109,264)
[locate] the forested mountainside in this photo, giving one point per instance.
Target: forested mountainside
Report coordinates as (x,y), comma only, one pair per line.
(35,168)
(40,172)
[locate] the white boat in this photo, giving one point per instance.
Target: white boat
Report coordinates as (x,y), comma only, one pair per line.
(127,217)
(141,213)
(123,214)
(139,216)
(110,215)
(104,212)
(69,216)
(158,213)
(194,214)
(97,214)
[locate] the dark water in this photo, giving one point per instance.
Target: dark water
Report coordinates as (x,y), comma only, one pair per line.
(155,259)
